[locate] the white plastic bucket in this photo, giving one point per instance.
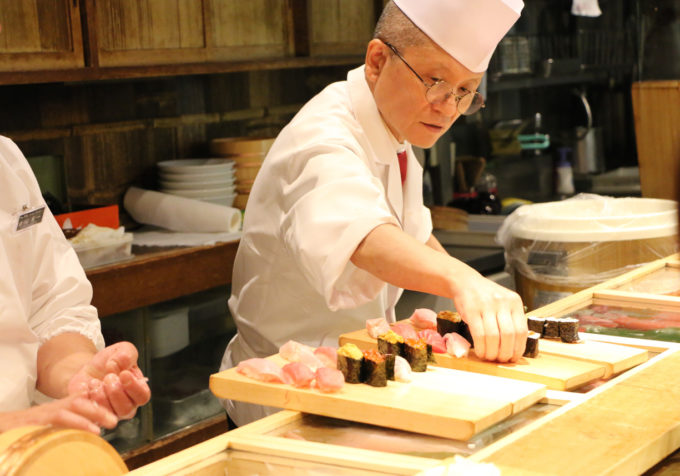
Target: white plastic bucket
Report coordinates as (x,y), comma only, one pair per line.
(557,248)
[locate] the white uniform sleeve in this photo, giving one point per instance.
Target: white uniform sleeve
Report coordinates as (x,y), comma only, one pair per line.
(329,208)
(61,293)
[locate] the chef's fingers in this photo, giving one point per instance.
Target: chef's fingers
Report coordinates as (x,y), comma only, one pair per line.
(521,332)
(122,356)
(476,326)
(121,403)
(97,394)
(507,331)
(97,414)
(136,388)
(491,335)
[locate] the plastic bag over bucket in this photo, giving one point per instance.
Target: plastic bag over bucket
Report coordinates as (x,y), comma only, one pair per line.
(555,249)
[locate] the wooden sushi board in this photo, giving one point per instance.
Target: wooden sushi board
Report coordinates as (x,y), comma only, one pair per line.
(559,365)
(440,402)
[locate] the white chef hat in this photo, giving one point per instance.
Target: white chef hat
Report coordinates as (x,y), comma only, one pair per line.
(468,30)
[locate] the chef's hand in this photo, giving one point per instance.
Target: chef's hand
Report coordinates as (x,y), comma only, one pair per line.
(495,316)
(113,380)
(75,411)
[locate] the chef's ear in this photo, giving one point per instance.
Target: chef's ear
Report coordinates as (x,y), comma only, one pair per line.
(376,56)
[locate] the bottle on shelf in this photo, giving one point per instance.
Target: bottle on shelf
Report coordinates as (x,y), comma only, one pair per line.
(564,174)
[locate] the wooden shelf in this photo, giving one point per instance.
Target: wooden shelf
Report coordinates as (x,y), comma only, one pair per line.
(135,72)
(160,274)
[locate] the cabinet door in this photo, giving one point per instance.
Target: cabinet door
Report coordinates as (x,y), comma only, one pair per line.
(154,32)
(40,35)
(341,27)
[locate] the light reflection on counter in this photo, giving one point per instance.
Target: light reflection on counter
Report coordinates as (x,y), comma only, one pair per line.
(358,435)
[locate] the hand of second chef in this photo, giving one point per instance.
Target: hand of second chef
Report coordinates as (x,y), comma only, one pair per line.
(113,380)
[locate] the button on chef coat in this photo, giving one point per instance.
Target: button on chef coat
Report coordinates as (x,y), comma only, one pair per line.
(43,290)
(331,177)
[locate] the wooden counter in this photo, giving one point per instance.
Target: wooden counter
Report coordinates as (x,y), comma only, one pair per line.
(155,275)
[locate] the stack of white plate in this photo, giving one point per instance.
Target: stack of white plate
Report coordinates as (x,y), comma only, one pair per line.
(209,180)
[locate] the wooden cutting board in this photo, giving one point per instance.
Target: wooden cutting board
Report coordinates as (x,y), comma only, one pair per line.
(559,365)
(440,402)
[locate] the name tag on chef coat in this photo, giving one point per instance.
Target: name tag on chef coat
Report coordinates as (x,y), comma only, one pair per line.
(29,217)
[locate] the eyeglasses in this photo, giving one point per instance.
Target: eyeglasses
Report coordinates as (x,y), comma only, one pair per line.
(441,92)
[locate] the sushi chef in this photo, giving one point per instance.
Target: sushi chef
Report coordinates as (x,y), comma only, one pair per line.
(51,347)
(335,227)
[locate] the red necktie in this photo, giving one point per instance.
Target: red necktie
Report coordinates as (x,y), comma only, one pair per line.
(402,165)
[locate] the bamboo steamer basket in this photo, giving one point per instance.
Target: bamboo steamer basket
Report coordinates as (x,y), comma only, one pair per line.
(558,248)
(244,186)
(46,450)
(241,200)
(246,172)
(241,146)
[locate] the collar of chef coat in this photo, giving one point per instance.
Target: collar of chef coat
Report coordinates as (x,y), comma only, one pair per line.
(406,200)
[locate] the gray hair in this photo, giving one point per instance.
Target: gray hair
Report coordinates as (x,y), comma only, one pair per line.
(397,29)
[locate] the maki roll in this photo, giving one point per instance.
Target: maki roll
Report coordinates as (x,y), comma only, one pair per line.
(390,360)
(391,343)
(374,369)
(536,324)
(448,321)
(350,359)
(415,353)
(531,349)
(569,329)
(552,328)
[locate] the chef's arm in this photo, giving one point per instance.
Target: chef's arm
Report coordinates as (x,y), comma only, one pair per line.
(399,259)
(495,314)
(59,359)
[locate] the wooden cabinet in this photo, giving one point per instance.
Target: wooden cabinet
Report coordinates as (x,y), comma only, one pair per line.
(341,27)
(154,32)
(40,35)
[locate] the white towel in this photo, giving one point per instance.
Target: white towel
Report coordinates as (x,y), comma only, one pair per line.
(179,213)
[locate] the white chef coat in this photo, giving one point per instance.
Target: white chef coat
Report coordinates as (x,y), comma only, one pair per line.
(43,288)
(331,176)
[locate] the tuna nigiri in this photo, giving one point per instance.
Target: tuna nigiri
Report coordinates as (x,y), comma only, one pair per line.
(424,319)
(328,356)
(261,369)
(297,374)
(433,338)
(456,344)
(377,327)
(329,380)
(405,330)
(296,352)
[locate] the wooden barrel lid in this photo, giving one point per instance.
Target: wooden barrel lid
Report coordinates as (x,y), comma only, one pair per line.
(41,450)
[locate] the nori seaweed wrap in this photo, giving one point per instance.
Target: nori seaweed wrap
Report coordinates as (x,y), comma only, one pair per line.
(552,328)
(531,349)
(373,368)
(391,343)
(449,321)
(389,365)
(350,359)
(536,324)
(569,329)
(415,352)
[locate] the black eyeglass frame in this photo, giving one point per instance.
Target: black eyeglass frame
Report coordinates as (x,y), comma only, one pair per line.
(430,86)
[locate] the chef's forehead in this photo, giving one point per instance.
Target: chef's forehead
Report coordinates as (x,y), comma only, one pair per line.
(468,30)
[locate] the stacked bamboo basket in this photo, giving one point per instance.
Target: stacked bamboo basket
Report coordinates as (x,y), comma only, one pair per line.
(248,154)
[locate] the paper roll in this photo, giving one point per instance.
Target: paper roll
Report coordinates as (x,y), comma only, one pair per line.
(179,213)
